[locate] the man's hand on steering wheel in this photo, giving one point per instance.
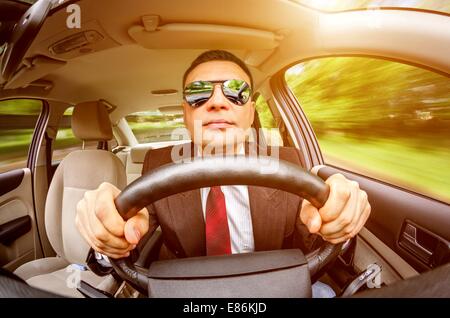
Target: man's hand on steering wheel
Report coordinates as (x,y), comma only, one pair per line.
(102,226)
(342,216)
(99,222)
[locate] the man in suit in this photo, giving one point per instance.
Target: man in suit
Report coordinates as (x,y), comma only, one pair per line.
(225,219)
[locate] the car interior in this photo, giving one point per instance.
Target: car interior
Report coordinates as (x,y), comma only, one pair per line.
(91,64)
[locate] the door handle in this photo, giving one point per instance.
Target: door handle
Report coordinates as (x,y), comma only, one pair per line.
(424,245)
(14,229)
(409,237)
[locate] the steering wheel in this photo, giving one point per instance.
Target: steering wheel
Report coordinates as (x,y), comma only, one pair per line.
(211,171)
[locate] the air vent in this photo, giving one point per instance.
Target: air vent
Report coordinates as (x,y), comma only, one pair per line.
(164,92)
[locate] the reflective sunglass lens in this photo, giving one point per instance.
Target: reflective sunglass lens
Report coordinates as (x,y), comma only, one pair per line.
(197,93)
(237,91)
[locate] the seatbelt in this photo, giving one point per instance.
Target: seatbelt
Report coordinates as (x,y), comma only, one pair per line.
(48,157)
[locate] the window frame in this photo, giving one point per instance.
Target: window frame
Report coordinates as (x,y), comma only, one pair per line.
(274,113)
(38,133)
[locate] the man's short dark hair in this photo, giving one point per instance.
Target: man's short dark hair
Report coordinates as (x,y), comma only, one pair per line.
(218,55)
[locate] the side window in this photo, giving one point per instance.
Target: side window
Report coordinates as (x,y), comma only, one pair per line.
(379,118)
(153,126)
(268,123)
(65,141)
(18,119)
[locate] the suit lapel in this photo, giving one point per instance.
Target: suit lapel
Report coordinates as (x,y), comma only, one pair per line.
(187,220)
(268,219)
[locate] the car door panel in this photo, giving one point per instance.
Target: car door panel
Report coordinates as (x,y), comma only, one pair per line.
(12,230)
(393,208)
(371,250)
(16,218)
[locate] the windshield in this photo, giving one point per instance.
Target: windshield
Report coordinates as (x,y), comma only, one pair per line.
(154,126)
(344,5)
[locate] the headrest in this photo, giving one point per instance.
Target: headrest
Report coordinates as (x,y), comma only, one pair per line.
(90,122)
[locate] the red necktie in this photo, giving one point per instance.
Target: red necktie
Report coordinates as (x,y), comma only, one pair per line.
(217,232)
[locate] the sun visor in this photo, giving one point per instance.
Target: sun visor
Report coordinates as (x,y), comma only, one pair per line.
(203,36)
(33,70)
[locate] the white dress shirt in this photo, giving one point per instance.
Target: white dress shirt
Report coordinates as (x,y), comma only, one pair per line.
(238,213)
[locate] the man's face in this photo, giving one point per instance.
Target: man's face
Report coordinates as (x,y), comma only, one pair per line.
(220,121)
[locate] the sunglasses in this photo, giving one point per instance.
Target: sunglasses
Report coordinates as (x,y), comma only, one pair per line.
(199,92)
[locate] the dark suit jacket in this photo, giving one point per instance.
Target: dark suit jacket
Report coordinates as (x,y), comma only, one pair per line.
(274,213)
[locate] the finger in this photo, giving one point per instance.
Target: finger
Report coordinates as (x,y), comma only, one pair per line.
(343,236)
(106,211)
(358,214)
(362,220)
(117,256)
(346,216)
(339,195)
(83,223)
(337,241)
(362,204)
(361,214)
(110,252)
(310,216)
(349,228)
(105,249)
(94,228)
(101,234)
(137,226)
